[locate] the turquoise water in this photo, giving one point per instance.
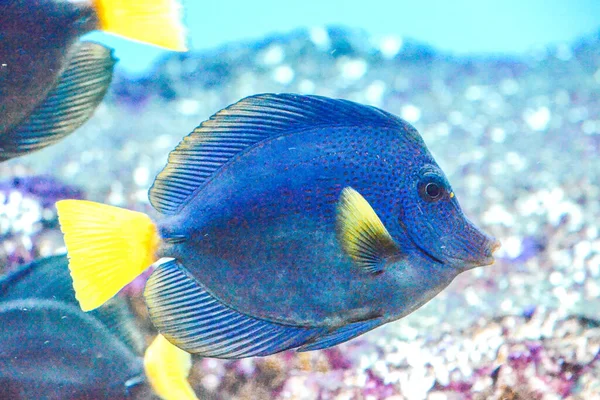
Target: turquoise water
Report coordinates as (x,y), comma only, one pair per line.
(463,26)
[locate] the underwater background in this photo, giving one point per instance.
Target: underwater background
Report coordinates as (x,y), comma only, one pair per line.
(507,98)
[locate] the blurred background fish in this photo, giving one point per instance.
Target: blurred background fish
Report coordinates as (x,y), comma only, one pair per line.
(50,81)
(50,349)
(274,245)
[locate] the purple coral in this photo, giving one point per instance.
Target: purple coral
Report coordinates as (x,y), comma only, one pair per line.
(45,188)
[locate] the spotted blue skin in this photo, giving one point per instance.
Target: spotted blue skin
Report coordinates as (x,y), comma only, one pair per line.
(261,235)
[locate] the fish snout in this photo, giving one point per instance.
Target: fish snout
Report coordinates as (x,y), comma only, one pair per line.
(484,256)
(490,248)
(475,249)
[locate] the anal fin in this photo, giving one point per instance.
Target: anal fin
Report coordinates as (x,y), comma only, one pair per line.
(195,321)
(341,335)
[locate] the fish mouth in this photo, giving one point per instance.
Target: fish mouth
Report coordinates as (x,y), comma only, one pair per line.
(485,259)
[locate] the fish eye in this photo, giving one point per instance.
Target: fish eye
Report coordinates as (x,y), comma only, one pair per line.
(431,191)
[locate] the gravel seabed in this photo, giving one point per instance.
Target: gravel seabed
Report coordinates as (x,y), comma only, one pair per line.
(519,139)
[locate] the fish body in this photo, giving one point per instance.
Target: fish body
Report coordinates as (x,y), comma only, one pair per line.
(263,233)
(49,78)
(286,221)
(51,349)
(49,278)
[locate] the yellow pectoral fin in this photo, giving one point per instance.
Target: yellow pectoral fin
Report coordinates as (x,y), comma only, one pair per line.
(156,22)
(361,233)
(108,247)
(167,368)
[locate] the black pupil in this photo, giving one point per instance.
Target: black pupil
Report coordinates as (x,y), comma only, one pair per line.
(433,190)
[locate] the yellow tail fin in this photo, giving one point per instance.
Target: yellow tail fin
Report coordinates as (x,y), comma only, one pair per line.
(167,368)
(156,22)
(108,247)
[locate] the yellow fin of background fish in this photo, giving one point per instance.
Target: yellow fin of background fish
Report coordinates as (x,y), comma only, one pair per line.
(167,368)
(108,247)
(156,22)
(362,234)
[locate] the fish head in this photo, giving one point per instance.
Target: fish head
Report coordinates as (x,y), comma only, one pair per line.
(436,224)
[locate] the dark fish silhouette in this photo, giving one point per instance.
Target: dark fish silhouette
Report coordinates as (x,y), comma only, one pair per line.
(50,349)
(50,82)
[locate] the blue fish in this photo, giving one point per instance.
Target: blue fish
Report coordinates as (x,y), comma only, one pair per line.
(286,221)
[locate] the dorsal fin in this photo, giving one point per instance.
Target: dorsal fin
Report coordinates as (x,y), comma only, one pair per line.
(244,124)
(44,278)
(49,278)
